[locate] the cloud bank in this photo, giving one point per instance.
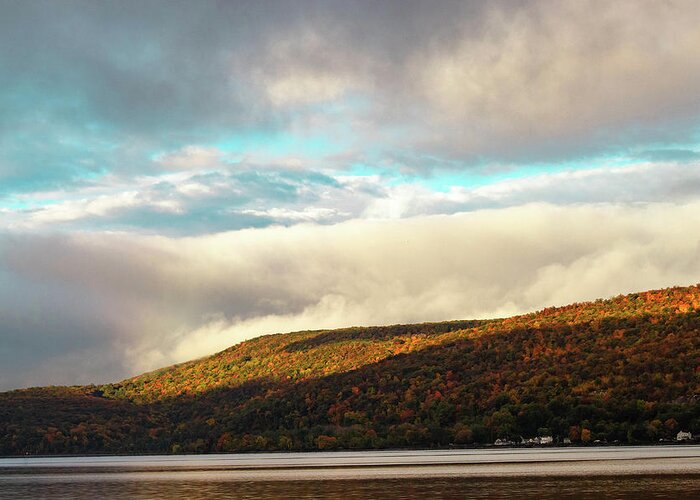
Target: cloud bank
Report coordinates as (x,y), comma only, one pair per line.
(92,307)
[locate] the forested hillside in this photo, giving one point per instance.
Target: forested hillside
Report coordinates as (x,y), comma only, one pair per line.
(625,369)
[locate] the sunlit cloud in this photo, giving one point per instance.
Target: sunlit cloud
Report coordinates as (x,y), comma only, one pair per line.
(139,302)
(242,195)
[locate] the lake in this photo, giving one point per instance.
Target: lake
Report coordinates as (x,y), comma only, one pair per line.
(600,472)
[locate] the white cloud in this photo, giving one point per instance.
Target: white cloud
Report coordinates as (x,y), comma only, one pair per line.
(142,302)
(638,183)
(100,206)
(305,89)
(192,157)
(307,214)
(285,196)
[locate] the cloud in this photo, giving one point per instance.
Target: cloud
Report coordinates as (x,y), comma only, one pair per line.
(93,88)
(669,155)
(129,303)
(191,157)
(307,214)
(202,197)
(585,72)
(638,183)
(299,69)
(240,195)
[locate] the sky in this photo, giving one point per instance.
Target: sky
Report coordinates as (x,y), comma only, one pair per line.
(176,177)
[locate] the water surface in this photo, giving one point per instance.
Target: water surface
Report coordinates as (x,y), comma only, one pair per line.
(619,472)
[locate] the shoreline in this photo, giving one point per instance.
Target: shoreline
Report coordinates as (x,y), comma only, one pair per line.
(562,462)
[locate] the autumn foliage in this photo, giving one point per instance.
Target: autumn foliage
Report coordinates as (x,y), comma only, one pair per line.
(624,370)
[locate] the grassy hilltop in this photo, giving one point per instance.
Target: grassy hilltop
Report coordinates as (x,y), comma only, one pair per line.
(625,369)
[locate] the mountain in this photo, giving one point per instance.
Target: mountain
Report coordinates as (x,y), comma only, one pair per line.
(624,369)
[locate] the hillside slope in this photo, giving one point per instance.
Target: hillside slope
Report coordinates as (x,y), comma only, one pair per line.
(625,369)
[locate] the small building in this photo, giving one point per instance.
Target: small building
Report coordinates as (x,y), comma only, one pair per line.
(537,440)
(545,439)
(684,436)
(503,442)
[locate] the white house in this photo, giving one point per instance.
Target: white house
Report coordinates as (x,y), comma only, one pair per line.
(537,440)
(503,442)
(684,436)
